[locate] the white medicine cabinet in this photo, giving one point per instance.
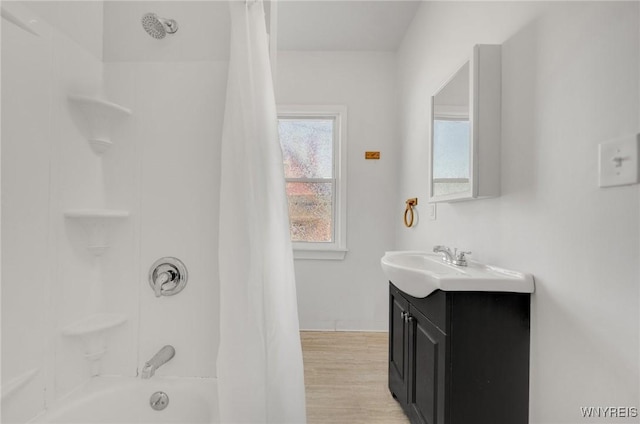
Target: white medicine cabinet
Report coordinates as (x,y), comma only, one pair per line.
(465,130)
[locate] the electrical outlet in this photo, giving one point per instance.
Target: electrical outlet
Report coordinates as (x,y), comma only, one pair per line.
(619,161)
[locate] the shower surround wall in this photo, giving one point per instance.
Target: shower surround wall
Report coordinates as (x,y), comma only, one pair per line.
(177,202)
(163,168)
(170,167)
(47,168)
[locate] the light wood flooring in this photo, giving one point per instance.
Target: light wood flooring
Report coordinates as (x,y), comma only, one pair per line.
(346,379)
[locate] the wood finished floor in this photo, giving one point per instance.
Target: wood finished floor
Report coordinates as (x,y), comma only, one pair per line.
(346,379)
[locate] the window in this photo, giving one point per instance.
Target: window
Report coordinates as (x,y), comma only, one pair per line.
(313,140)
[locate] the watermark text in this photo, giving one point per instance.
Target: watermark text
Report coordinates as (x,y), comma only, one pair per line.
(609,412)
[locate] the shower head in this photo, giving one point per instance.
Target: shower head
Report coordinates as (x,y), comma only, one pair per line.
(158,27)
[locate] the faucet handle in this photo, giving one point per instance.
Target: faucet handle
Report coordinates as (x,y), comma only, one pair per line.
(163,278)
(461,254)
(167,276)
(460,257)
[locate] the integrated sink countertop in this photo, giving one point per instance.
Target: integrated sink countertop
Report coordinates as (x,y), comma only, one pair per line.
(421,273)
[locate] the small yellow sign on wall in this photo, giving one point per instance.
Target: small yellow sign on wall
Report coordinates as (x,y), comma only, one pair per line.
(372,155)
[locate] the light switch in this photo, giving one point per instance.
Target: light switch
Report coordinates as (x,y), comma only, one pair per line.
(431,211)
(619,161)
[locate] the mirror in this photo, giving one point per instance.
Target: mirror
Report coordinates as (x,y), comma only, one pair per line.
(451,146)
(465,130)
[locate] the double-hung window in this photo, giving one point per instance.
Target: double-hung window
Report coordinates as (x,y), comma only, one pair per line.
(313,140)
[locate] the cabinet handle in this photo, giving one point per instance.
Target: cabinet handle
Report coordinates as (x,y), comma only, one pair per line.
(406,317)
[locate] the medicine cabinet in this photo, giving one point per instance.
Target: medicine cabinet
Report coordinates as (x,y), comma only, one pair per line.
(465,130)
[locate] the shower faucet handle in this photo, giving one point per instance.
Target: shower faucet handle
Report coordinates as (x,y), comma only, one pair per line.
(167,276)
(162,279)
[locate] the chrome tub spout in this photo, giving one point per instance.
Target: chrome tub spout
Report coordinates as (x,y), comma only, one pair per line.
(163,356)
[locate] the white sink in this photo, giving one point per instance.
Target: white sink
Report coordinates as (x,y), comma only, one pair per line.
(420,273)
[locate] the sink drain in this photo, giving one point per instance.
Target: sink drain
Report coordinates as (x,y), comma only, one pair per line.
(159,401)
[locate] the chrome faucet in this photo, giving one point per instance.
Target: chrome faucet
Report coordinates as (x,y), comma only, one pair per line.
(163,356)
(447,255)
(456,258)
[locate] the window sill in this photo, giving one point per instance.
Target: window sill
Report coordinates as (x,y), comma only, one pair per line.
(318,254)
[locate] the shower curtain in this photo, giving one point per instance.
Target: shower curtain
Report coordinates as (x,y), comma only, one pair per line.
(260,371)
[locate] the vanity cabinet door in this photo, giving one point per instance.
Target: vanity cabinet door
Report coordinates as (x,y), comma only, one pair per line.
(428,371)
(398,345)
(460,357)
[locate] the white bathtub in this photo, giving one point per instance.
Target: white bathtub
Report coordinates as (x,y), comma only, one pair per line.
(121,400)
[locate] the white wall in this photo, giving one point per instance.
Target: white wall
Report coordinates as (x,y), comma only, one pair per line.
(203,31)
(47,167)
(570,81)
(163,168)
(168,171)
(81,21)
(24,235)
(350,294)
(173,163)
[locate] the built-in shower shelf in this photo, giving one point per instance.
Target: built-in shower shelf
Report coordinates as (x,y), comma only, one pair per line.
(18,382)
(99,145)
(97,224)
(92,331)
(101,116)
(94,324)
(99,214)
(100,106)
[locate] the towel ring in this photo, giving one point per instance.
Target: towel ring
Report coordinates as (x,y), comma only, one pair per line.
(408,212)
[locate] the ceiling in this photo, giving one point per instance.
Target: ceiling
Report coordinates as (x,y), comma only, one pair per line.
(323,25)
(343,25)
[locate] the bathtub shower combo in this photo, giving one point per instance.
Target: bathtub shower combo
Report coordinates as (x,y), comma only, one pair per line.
(124,400)
(204,378)
(120,400)
(112,400)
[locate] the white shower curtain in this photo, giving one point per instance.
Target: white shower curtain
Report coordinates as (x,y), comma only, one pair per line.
(260,371)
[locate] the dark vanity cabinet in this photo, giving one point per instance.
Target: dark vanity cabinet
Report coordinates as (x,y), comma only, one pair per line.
(460,357)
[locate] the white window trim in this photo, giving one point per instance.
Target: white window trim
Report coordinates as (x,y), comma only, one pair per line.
(338,249)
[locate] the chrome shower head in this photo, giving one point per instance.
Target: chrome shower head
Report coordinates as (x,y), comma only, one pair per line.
(158,27)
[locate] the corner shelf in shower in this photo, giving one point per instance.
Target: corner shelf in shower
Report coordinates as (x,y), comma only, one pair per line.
(94,324)
(101,115)
(92,331)
(97,224)
(18,382)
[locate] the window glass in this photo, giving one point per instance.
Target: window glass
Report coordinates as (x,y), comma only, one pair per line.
(310,212)
(307,147)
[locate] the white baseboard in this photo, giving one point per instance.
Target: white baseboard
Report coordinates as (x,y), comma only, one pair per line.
(364,326)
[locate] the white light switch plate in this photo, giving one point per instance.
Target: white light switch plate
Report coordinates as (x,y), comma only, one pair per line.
(619,161)
(431,211)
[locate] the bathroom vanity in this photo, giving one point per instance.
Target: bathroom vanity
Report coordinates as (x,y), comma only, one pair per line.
(460,357)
